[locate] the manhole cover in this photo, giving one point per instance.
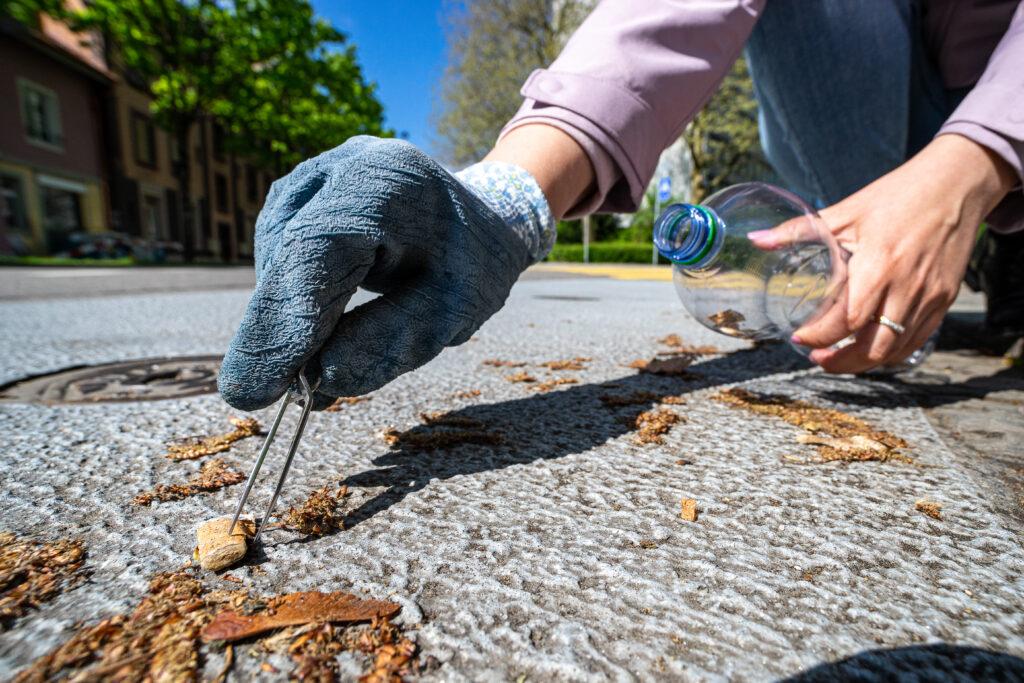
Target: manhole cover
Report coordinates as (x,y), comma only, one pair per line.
(149,379)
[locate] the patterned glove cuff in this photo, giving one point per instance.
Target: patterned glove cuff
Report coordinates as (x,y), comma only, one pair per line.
(513,194)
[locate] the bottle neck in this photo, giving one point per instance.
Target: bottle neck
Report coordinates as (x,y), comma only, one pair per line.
(689,235)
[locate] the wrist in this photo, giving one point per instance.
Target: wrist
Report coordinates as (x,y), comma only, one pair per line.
(984,176)
(516,197)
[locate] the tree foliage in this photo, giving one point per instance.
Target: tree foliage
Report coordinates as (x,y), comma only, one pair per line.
(723,137)
(493,45)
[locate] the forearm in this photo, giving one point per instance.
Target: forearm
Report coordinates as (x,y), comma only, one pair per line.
(560,166)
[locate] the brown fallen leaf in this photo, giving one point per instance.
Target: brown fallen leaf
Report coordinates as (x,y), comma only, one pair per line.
(852,439)
(521,377)
(393,654)
(213,475)
(342,401)
(498,363)
(549,384)
(727,318)
(929,507)
(689,510)
(470,393)
(195,447)
(577,363)
(34,572)
(446,438)
(294,609)
(651,425)
(318,514)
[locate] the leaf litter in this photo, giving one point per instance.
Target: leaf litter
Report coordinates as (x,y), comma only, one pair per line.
(319,514)
(652,425)
(837,436)
(162,639)
(213,475)
(676,343)
(194,447)
(35,572)
(929,507)
(342,401)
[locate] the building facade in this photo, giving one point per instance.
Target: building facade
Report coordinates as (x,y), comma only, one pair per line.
(80,153)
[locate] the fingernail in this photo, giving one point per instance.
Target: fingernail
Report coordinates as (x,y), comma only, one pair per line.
(760,236)
(796,340)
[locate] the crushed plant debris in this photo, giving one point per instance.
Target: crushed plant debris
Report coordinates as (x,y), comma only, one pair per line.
(164,638)
(676,343)
(319,514)
(445,419)
(35,572)
(672,366)
(471,393)
(688,510)
(549,384)
(577,363)
(195,447)
(520,377)
(837,435)
(498,363)
(929,507)
(342,401)
(213,475)
(652,425)
(726,321)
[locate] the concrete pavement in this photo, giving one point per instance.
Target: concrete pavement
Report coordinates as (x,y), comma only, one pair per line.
(558,555)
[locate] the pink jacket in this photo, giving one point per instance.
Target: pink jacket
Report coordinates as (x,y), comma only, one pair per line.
(637,71)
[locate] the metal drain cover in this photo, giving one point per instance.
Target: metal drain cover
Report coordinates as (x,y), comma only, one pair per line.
(148,379)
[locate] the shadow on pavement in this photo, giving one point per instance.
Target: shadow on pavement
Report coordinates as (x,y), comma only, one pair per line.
(919,663)
(552,425)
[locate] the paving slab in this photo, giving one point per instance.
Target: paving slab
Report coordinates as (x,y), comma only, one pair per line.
(559,554)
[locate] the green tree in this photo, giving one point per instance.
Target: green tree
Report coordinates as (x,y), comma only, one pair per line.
(723,137)
(267,70)
(493,45)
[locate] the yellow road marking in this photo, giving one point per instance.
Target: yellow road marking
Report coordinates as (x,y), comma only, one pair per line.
(615,271)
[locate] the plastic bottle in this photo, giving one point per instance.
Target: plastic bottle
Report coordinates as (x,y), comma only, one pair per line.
(735,287)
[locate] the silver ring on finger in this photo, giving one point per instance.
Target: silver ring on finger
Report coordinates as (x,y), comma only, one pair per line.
(891,324)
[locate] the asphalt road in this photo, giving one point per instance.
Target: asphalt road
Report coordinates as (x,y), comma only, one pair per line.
(560,554)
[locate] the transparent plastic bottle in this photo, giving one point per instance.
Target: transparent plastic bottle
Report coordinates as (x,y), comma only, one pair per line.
(731,285)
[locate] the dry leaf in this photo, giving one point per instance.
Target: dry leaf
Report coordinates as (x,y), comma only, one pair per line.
(295,609)
(200,446)
(445,419)
(675,342)
(447,438)
(32,572)
(571,364)
(549,384)
(651,425)
(689,510)
(672,366)
(521,377)
(928,507)
(728,317)
(471,393)
(213,475)
(498,363)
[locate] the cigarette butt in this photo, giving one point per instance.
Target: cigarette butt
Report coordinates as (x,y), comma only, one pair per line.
(689,510)
(217,548)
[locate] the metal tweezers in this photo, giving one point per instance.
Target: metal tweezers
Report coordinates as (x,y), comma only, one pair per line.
(307,405)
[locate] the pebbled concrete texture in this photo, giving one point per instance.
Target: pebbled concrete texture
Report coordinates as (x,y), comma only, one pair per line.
(558,555)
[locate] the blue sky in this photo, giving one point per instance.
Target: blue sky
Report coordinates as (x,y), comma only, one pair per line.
(400,45)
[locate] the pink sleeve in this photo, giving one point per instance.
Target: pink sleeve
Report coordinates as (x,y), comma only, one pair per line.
(992,115)
(630,79)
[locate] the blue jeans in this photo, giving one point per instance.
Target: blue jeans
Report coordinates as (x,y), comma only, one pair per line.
(846,92)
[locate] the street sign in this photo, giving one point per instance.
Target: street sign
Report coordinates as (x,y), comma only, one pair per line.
(664,189)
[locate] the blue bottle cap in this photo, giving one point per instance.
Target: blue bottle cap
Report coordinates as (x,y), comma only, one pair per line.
(686,234)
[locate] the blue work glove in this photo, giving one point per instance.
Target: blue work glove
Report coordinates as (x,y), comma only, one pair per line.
(442,250)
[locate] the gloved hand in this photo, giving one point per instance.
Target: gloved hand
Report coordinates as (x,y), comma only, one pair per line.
(443,252)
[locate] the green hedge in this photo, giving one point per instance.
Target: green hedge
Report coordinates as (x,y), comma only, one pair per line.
(605,252)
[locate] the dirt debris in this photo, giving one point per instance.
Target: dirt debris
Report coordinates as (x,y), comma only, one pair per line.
(577,363)
(929,507)
(499,363)
(194,447)
(469,393)
(318,514)
(688,510)
(520,377)
(443,418)
(35,572)
(670,366)
(213,475)
(342,401)
(676,343)
(837,435)
(549,384)
(164,638)
(652,425)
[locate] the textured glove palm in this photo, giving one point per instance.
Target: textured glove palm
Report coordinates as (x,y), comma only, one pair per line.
(381,215)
